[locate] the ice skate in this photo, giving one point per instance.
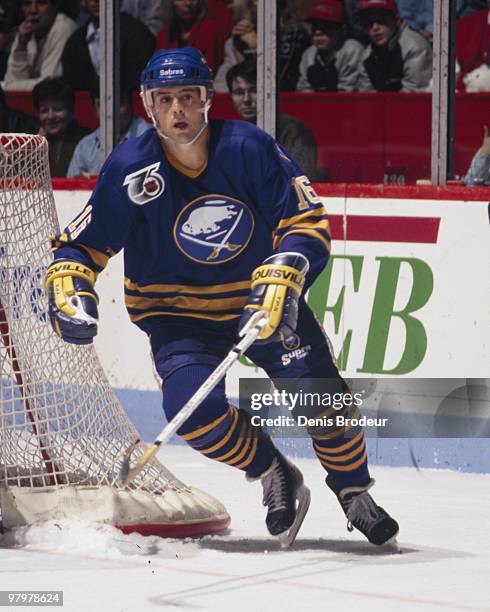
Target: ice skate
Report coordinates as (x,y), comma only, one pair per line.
(286,497)
(364,514)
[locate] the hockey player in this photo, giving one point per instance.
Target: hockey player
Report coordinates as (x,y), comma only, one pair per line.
(202,207)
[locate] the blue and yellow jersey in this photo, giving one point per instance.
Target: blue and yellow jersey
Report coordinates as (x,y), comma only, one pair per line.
(191,239)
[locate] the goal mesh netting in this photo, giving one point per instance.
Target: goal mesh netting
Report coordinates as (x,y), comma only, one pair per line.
(63,432)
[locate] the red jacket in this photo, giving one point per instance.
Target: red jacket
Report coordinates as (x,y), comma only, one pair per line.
(208,34)
(472,43)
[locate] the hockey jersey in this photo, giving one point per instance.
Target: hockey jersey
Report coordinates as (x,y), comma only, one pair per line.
(191,239)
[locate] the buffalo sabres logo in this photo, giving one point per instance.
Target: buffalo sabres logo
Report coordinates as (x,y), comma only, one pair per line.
(213,229)
(145,185)
(291,342)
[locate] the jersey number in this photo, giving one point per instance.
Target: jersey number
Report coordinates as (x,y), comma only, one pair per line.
(306,194)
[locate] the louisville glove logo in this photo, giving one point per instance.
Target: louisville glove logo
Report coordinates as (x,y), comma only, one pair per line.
(145,185)
(213,229)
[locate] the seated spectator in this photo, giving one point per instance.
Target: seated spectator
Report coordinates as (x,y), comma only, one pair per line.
(55,102)
(479,171)
(294,135)
(81,56)
(203,24)
(419,15)
(472,43)
(293,40)
(8,22)
(86,160)
(242,44)
(38,45)
(147,11)
(332,62)
(15,121)
(397,58)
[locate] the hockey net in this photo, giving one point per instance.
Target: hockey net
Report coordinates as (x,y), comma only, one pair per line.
(63,433)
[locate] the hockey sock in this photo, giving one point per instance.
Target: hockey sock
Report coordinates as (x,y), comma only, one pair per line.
(216,429)
(341,449)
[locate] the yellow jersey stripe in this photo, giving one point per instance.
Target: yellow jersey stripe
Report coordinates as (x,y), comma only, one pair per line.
(195,290)
(194,315)
(312,212)
(185,302)
(99,258)
(308,232)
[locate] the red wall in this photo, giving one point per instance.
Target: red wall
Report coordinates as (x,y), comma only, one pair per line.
(362,138)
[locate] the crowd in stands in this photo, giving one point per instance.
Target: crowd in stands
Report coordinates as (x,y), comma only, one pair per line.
(52,48)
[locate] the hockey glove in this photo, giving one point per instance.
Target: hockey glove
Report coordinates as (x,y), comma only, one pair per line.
(72,301)
(276,289)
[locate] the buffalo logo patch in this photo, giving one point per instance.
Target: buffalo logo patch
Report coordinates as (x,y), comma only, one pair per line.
(213,229)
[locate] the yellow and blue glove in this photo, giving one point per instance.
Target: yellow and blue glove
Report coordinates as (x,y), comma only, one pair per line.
(277,285)
(72,301)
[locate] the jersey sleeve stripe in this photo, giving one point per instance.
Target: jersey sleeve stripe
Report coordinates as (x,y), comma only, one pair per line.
(318,211)
(313,233)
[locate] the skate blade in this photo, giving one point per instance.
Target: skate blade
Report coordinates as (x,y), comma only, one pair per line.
(392,545)
(303,496)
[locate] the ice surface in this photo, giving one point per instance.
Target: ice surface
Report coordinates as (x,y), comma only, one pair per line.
(444,563)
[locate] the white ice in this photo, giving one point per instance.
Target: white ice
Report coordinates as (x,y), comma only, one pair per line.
(443,565)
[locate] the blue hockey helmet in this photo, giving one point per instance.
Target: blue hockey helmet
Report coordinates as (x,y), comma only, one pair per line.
(173,67)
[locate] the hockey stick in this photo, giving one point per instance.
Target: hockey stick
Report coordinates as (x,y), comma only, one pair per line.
(250,333)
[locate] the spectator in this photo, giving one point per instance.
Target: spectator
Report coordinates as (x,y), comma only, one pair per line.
(204,24)
(479,171)
(146,11)
(293,40)
(418,14)
(15,121)
(8,22)
(55,102)
(332,62)
(472,43)
(397,58)
(294,135)
(38,44)
(81,55)
(86,160)
(242,44)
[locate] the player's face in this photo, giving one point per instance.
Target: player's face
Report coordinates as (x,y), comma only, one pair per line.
(244,96)
(179,112)
(379,24)
(54,116)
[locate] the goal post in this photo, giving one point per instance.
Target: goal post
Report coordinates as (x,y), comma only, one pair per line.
(63,432)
